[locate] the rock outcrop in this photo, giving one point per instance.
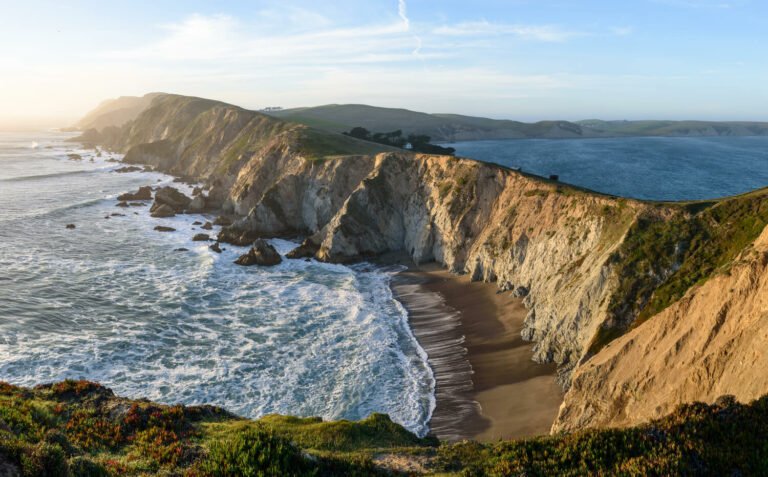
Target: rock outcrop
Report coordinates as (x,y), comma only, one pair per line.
(172,198)
(162,211)
(144,193)
(262,253)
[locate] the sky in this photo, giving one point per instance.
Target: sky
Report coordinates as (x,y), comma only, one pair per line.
(516,59)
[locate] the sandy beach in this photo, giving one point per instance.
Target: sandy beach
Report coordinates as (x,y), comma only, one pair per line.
(487,386)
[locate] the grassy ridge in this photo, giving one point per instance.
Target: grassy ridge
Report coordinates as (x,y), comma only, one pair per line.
(663,257)
(79,429)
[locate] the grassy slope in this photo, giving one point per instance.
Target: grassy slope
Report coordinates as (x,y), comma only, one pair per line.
(663,256)
(440,127)
(78,428)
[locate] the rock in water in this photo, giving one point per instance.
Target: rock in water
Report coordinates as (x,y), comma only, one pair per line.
(75,157)
(172,198)
(163,211)
(262,253)
(70,226)
(124,170)
(122,204)
(197,204)
(161,228)
(144,193)
(307,249)
(223,220)
(201,238)
(216,247)
(235,236)
(207,226)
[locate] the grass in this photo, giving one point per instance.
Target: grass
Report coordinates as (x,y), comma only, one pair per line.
(79,429)
(317,145)
(663,257)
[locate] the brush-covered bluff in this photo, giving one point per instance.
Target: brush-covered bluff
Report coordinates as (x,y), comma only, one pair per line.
(591,267)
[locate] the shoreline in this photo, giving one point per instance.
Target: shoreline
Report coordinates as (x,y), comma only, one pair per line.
(487,386)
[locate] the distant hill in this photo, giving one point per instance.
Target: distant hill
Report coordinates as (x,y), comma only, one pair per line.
(455,127)
(116,112)
(440,127)
(676,128)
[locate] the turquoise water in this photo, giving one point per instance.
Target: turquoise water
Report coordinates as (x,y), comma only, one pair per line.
(642,168)
(112,302)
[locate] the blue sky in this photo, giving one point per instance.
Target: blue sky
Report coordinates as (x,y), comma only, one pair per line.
(527,60)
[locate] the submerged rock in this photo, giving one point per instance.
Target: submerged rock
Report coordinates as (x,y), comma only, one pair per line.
(197,222)
(216,247)
(181,250)
(144,193)
(124,170)
(262,253)
(163,211)
(161,228)
(201,238)
(75,157)
(70,226)
(122,204)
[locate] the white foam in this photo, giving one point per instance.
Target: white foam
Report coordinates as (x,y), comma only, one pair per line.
(113,302)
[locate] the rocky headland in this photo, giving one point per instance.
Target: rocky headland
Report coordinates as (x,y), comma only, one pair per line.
(604,279)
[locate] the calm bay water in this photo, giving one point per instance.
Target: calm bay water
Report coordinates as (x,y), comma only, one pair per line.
(643,168)
(112,302)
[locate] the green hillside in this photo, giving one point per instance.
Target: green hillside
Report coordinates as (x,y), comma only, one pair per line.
(440,127)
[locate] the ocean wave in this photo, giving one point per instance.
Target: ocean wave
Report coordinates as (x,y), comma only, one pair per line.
(36,177)
(117,304)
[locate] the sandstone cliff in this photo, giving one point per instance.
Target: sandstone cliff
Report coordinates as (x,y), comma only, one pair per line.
(708,344)
(591,267)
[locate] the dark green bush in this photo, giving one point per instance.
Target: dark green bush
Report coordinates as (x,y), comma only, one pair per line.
(255,453)
(45,460)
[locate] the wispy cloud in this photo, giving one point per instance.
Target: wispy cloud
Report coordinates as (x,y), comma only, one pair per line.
(546,33)
(402,12)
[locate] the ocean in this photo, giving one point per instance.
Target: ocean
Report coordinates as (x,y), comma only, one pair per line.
(112,301)
(650,168)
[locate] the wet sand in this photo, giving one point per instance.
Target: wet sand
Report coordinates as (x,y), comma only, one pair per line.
(487,386)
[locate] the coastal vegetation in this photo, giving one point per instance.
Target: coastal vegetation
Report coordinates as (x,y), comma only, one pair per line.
(662,256)
(79,429)
(414,142)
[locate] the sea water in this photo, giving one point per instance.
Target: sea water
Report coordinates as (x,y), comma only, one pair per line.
(652,168)
(112,301)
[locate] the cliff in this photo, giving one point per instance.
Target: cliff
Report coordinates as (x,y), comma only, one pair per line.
(591,267)
(116,112)
(710,343)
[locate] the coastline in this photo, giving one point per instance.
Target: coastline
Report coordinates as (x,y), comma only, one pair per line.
(487,386)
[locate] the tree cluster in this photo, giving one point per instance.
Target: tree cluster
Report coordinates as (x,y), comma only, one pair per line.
(414,142)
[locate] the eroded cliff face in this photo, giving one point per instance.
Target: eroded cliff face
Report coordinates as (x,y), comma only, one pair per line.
(590,267)
(710,343)
(549,242)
